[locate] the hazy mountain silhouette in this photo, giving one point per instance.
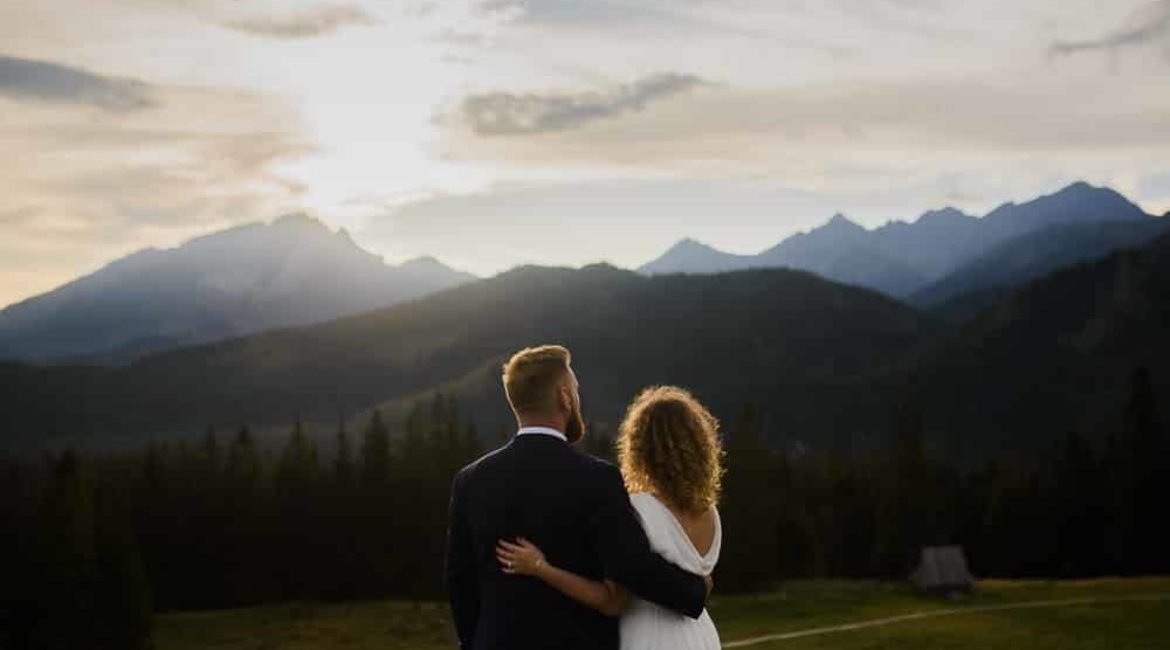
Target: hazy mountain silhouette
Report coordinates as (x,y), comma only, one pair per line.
(901,258)
(690,256)
(786,338)
(293,271)
(842,250)
(827,365)
(1035,254)
(932,243)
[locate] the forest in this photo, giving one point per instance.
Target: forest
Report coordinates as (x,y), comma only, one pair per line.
(96,544)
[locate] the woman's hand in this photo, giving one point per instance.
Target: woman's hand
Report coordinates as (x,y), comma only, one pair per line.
(523,558)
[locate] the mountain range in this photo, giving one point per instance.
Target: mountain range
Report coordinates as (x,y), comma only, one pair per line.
(1034,333)
(293,271)
(827,366)
(775,336)
(944,253)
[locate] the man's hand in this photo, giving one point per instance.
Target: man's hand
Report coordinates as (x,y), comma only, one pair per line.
(710,584)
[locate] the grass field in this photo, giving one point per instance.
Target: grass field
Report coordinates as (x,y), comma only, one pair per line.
(989,618)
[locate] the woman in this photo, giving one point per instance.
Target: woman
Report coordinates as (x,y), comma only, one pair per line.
(670,457)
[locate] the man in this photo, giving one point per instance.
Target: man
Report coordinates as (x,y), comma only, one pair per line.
(573,506)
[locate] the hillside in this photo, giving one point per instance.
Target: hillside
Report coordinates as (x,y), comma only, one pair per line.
(785,339)
(1055,355)
(827,366)
(1036,254)
(293,271)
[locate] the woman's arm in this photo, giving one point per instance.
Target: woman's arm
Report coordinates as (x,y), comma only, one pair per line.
(526,559)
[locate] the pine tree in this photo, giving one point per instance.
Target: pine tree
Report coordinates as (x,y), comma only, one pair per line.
(246,576)
(905,513)
(471,445)
(748,500)
(66,590)
(297,469)
(375,454)
(383,517)
(211,455)
(1142,434)
(124,607)
(244,467)
(1077,486)
(342,461)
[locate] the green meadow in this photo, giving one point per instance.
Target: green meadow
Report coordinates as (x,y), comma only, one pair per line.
(1074,615)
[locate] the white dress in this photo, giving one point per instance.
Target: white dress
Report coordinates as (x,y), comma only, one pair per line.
(646,626)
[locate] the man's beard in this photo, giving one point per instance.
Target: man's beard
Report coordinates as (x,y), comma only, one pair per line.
(575,426)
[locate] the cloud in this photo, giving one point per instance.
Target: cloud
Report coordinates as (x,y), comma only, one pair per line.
(309,24)
(43,81)
(505,113)
(891,125)
(79,191)
(1155,25)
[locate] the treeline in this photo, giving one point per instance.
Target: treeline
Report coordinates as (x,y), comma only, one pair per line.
(1078,509)
(100,544)
(93,546)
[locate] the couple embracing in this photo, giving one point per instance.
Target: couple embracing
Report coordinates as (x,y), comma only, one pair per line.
(550,548)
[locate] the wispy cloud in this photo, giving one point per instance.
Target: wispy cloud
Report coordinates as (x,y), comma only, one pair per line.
(505,113)
(80,191)
(308,24)
(800,130)
(43,81)
(1155,24)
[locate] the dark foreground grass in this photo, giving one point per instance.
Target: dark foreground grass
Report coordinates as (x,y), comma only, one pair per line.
(1096,627)
(792,607)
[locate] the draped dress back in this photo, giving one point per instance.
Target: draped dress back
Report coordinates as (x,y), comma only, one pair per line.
(646,626)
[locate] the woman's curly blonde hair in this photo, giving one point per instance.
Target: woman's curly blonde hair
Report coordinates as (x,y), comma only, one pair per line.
(668,444)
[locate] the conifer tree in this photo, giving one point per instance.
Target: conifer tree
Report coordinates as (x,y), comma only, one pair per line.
(343,460)
(375,454)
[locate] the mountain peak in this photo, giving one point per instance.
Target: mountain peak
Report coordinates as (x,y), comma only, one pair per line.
(1079,186)
(423,263)
(1082,191)
(840,223)
(688,244)
(299,220)
(1077,202)
(947,214)
(429,265)
(691,256)
(291,271)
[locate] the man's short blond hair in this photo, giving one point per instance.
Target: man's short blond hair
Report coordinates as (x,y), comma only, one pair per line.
(531,377)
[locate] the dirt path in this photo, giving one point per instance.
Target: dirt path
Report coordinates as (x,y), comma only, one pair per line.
(913,616)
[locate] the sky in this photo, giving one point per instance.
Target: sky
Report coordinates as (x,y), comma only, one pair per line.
(491,133)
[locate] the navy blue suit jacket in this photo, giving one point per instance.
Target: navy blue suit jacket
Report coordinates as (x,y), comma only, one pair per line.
(576,509)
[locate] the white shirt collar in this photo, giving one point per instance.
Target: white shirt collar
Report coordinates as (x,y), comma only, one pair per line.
(546,431)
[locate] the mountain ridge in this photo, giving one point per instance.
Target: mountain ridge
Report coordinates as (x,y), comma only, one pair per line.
(901,257)
(293,270)
(830,368)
